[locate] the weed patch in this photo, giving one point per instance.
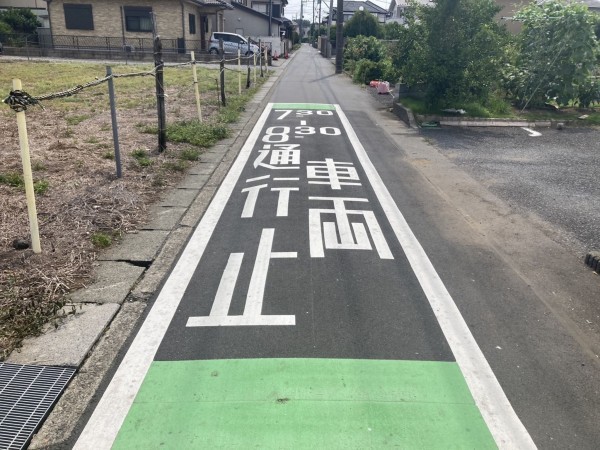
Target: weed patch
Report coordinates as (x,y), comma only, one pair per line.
(197,133)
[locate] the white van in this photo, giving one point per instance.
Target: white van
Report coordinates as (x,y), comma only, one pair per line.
(231,43)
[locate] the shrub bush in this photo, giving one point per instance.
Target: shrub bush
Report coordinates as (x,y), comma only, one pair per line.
(366,71)
(362,47)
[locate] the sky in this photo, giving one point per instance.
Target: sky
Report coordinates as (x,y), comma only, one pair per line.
(292,10)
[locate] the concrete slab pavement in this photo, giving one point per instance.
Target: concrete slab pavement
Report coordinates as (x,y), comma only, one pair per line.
(113,283)
(70,342)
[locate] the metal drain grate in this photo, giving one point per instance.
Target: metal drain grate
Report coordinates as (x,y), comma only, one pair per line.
(26,395)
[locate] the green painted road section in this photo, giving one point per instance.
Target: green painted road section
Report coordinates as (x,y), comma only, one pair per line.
(305,106)
(303,403)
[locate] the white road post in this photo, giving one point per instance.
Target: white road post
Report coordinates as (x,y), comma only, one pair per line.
(196,88)
(27,175)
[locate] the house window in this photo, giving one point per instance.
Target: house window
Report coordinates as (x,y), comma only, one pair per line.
(138,18)
(276,10)
(78,17)
(260,7)
(192,20)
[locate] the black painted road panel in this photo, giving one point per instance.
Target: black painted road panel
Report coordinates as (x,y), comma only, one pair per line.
(348,304)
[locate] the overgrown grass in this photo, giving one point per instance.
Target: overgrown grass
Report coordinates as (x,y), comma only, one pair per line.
(141,156)
(16,180)
(41,78)
(197,133)
(76,120)
(12,179)
(175,166)
(190,154)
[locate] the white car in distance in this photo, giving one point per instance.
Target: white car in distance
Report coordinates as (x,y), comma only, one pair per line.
(231,43)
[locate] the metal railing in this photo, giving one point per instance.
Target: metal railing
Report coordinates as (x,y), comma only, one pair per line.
(99,43)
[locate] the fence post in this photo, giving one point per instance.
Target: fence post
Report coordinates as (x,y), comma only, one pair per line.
(260,57)
(196,87)
(239,72)
(222,78)
(28,176)
(248,64)
(160,95)
(113,118)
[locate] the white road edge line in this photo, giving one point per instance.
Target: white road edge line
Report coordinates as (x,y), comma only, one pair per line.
(531,132)
(498,413)
(101,430)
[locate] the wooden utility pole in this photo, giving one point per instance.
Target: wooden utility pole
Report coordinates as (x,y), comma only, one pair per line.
(339,37)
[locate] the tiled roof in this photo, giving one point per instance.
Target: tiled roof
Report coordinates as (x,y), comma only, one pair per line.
(219,3)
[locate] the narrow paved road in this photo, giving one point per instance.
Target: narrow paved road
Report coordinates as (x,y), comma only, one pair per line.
(331,297)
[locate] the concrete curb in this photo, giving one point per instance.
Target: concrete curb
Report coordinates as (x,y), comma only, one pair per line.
(413,120)
(478,122)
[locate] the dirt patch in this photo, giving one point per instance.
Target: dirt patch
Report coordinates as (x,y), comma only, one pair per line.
(81,205)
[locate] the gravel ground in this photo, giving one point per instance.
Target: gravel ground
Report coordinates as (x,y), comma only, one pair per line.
(556,175)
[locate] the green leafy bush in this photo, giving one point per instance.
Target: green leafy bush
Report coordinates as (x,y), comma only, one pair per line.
(455,48)
(556,55)
(366,71)
(20,20)
(363,47)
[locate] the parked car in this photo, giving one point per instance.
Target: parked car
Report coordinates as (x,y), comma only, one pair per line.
(231,43)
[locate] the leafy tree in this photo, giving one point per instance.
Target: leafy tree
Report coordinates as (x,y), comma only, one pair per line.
(20,20)
(362,23)
(557,55)
(5,28)
(363,47)
(454,47)
(393,31)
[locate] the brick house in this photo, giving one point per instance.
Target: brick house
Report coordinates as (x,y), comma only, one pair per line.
(181,24)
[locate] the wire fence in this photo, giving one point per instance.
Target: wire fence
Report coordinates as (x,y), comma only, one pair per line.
(19,100)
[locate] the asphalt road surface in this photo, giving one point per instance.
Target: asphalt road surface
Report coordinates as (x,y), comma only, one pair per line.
(553,173)
(335,294)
